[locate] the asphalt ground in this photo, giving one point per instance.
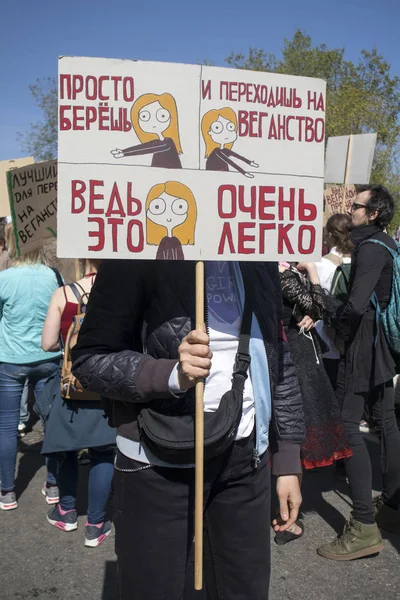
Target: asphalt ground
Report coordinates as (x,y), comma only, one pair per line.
(40,562)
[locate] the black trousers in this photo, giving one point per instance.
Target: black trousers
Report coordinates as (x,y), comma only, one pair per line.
(380,403)
(154,527)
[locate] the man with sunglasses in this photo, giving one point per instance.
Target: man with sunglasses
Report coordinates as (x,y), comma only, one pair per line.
(366,379)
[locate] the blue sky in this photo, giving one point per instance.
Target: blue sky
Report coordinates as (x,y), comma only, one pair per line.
(35,32)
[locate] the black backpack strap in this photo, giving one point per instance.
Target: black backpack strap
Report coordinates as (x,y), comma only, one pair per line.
(242,360)
(58,277)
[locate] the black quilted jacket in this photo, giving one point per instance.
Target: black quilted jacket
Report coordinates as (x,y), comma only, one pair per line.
(137,315)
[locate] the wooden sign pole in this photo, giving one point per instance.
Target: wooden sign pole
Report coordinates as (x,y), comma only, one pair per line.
(346,175)
(199,449)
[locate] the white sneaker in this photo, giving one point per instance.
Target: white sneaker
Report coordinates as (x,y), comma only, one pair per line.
(21,430)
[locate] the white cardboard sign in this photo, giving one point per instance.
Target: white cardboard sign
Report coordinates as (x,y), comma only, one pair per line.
(173,161)
(350,155)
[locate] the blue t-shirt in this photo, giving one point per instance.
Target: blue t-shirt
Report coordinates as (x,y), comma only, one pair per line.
(25,294)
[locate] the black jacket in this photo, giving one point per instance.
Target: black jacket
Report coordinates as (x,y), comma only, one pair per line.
(138,313)
(368,358)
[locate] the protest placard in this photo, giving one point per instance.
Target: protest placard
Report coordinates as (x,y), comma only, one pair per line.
(172,161)
(5,166)
(339,198)
(349,158)
(33,201)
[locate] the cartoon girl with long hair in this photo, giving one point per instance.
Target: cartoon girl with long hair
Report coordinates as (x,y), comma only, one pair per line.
(155,121)
(219,129)
(171,215)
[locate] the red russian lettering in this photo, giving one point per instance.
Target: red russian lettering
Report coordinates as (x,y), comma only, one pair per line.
(264,94)
(283,238)
(297,101)
(115,198)
(77,85)
(63,79)
(252,120)
(226,236)
(243,123)
(249,92)
(288,136)
(257,97)
(253,201)
(264,204)
(128,89)
(244,239)
(116,79)
(65,123)
(135,238)
(76,118)
(104,116)
(303,229)
(78,188)
(272,134)
(309,137)
(242,90)
(90,116)
(231,189)
(99,234)
(319,134)
(131,202)
(282,204)
(206,89)
(307,211)
(91,94)
(114,231)
(102,96)
(320,103)
(93,197)
(271,99)
(126,120)
(221,86)
(260,122)
(264,227)
(300,121)
(233,91)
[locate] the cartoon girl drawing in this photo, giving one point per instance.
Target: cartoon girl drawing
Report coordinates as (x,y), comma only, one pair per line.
(171,215)
(155,121)
(219,129)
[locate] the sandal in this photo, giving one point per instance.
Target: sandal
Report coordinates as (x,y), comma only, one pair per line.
(283,537)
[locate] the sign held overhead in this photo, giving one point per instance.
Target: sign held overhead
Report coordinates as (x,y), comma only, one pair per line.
(171,161)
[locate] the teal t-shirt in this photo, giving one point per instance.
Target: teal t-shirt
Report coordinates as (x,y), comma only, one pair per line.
(25,294)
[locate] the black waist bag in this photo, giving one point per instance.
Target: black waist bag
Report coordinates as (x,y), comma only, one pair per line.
(171,438)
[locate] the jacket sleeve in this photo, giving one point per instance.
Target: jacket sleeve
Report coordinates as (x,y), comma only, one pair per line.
(288,426)
(109,358)
(370,262)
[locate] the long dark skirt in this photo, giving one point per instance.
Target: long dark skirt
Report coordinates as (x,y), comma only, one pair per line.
(325,437)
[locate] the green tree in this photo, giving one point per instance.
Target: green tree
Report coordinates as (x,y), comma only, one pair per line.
(41,139)
(362,96)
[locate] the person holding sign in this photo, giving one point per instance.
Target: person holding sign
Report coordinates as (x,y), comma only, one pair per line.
(220,132)
(149,381)
(155,121)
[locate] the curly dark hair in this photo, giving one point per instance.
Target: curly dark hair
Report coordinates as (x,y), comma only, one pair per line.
(340,226)
(381,200)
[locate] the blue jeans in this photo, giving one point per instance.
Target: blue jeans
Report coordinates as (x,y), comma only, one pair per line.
(12,382)
(101,472)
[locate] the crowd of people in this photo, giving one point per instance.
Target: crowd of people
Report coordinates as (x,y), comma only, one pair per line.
(294,358)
